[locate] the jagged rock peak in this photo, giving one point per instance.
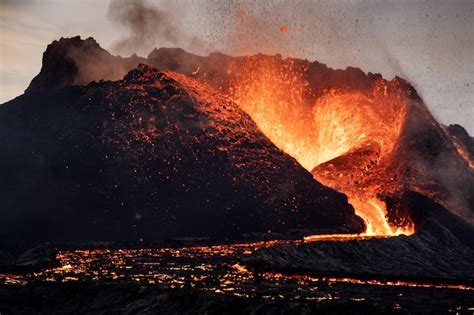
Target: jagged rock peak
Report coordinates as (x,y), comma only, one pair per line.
(60,47)
(76,61)
(74,41)
(59,66)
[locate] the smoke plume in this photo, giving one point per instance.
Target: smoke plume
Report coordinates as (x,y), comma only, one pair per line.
(150,26)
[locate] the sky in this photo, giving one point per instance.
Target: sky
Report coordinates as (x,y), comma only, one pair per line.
(430,43)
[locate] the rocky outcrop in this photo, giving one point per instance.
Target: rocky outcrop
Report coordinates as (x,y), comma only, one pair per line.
(73,61)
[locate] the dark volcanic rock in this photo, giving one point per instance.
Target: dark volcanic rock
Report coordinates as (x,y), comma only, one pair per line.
(152,156)
(442,247)
(133,298)
(39,257)
(418,256)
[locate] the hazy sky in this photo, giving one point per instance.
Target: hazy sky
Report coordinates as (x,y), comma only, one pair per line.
(430,43)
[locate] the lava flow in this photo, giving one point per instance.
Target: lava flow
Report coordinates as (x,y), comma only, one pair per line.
(346,138)
(215,268)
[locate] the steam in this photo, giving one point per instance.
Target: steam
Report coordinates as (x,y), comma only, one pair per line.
(96,64)
(150,26)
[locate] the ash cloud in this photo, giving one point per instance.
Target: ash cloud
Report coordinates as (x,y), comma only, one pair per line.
(150,25)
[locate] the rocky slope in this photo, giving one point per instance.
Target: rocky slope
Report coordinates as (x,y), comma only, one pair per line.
(152,156)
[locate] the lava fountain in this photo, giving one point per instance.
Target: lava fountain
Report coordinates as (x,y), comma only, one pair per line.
(345,138)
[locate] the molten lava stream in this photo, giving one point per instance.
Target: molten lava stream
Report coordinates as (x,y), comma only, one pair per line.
(373,212)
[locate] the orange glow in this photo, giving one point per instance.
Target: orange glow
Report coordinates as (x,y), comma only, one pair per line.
(357,136)
(346,139)
(374,282)
(272,93)
(337,237)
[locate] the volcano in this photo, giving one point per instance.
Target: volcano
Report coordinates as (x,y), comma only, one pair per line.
(358,133)
(362,135)
(180,182)
(155,155)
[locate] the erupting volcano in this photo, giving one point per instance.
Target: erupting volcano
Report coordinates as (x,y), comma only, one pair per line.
(359,134)
(357,141)
(281,164)
(346,138)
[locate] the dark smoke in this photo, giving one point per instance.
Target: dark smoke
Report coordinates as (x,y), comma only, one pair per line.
(150,26)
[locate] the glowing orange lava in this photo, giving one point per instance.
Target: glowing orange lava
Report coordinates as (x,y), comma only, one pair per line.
(346,139)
